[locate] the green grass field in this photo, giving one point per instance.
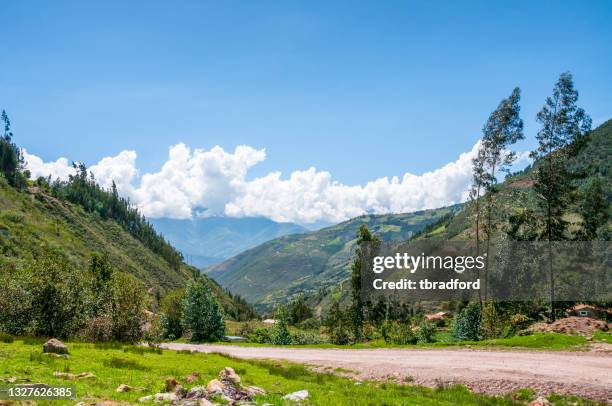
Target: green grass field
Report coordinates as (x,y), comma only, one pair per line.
(146,370)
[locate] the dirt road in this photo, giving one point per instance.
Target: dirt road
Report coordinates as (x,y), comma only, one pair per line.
(587,374)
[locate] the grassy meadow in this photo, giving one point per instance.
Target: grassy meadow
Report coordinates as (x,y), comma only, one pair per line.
(145,370)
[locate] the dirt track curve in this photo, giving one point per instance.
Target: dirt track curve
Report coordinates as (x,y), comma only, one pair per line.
(587,374)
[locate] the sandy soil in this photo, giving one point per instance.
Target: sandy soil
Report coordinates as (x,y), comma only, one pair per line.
(587,374)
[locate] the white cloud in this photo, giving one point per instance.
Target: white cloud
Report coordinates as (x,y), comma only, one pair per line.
(308,196)
(120,168)
(213,182)
(58,169)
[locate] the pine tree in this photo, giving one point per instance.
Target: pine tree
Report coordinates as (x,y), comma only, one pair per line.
(563,123)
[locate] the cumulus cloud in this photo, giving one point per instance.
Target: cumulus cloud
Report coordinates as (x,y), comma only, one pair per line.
(58,169)
(309,196)
(214,182)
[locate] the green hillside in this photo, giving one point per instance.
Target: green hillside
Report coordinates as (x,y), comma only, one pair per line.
(317,263)
(516,194)
(282,267)
(32,221)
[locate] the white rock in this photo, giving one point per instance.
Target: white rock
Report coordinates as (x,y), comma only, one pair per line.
(166,397)
(254,390)
(297,396)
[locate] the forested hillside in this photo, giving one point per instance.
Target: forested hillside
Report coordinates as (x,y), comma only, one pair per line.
(317,263)
(307,263)
(69,224)
(516,199)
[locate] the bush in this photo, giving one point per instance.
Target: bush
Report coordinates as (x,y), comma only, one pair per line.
(336,324)
(394,332)
(280,332)
(304,338)
(202,314)
(171,307)
(6,338)
(426,333)
(466,326)
(43,297)
(310,324)
(490,324)
(129,304)
(97,329)
(260,336)
(154,331)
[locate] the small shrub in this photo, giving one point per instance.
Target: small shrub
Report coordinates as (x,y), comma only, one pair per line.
(336,324)
(6,338)
(305,338)
(490,324)
(466,325)
(260,336)
(154,331)
(280,332)
(394,332)
(129,304)
(97,329)
(426,333)
(310,324)
(246,330)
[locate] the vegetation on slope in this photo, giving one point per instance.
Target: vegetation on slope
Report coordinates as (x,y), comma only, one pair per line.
(77,219)
(299,263)
(516,198)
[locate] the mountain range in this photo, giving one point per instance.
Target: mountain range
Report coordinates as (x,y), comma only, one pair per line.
(307,262)
(210,240)
(318,263)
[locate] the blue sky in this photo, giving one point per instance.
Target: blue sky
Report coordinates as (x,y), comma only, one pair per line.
(359,89)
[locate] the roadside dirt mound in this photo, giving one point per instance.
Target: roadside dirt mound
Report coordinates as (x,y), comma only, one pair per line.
(584,326)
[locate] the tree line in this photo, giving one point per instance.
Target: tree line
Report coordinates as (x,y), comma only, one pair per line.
(82,189)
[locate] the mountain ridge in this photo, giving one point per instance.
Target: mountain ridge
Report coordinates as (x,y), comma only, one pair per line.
(209,240)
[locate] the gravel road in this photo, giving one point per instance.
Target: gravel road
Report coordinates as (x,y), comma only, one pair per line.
(587,373)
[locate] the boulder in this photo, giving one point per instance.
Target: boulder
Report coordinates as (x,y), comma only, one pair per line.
(123,388)
(254,390)
(146,399)
(180,391)
(196,392)
(297,396)
(215,386)
(166,397)
(541,401)
(228,374)
(205,402)
(55,346)
(171,384)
